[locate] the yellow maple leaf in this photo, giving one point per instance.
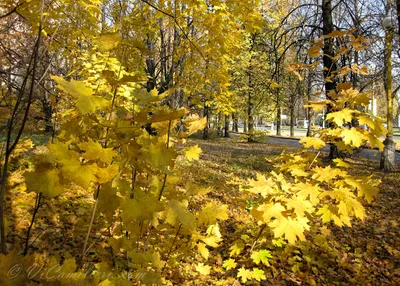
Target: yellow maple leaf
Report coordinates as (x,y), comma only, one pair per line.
(352,137)
(310,191)
(341,163)
(86,102)
(203,269)
(93,151)
(73,87)
(90,103)
(314,142)
(46,182)
(192,153)
(327,174)
(245,274)
(290,228)
(203,250)
(108,41)
(299,205)
(366,186)
(107,174)
(212,212)
(344,86)
(341,117)
(266,212)
(82,175)
(193,124)
(144,97)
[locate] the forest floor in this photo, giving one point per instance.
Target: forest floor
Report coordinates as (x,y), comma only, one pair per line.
(366,254)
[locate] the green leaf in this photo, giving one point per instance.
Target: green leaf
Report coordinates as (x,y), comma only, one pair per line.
(261,256)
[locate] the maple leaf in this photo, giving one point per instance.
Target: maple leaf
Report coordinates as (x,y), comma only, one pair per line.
(341,163)
(366,186)
(203,250)
(308,190)
(93,151)
(107,174)
(108,41)
(177,211)
(86,101)
(352,137)
(212,212)
(203,269)
(236,248)
(299,205)
(314,51)
(46,182)
(258,274)
(328,213)
(82,175)
(73,87)
(262,185)
(341,117)
(167,115)
(244,274)
(266,212)
(290,228)
(212,241)
(262,255)
(144,97)
(161,157)
(344,86)
(193,123)
(90,103)
(314,142)
(327,174)
(192,153)
(142,206)
(229,264)
(319,105)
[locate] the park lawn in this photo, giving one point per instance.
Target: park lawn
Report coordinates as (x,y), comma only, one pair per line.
(366,254)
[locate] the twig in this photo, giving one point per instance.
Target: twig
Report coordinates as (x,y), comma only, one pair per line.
(35,211)
(177,24)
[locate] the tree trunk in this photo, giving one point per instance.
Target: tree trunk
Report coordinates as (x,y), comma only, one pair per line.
(309,110)
(219,124)
(245,126)
(48,113)
(388,158)
(329,65)
(292,120)
(206,129)
(250,112)
(226,133)
(278,119)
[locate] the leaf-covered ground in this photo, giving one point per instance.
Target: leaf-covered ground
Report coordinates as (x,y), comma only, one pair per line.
(366,254)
